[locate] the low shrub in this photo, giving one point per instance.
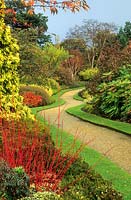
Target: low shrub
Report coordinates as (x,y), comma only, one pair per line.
(44,196)
(27,145)
(31,148)
(51,84)
(14,182)
(37,90)
(81,182)
(77,83)
(89,73)
(86,96)
(88,108)
(10,108)
(32,100)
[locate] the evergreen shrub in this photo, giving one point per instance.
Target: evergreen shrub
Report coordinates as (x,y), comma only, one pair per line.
(81,182)
(14,182)
(113,98)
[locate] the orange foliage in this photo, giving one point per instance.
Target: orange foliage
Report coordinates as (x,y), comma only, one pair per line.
(28,3)
(31,12)
(53,10)
(53,5)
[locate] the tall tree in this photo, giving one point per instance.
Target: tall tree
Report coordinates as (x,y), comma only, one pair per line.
(74,44)
(94,53)
(88,30)
(124,34)
(22,19)
(111,55)
(53,58)
(37,63)
(94,34)
(74,63)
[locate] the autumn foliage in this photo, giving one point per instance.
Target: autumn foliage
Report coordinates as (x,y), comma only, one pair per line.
(53,5)
(74,63)
(31,147)
(31,99)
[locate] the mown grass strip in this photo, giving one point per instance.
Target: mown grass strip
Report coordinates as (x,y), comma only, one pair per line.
(77,97)
(116,125)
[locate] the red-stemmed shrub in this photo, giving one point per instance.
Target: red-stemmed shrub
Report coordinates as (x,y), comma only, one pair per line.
(34,151)
(31,99)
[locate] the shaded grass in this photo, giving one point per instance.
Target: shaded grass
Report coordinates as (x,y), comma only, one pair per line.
(120,179)
(116,125)
(77,97)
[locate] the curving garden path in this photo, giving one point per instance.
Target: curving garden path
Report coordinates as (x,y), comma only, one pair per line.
(103,138)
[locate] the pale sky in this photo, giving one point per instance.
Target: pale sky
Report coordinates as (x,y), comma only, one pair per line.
(116,11)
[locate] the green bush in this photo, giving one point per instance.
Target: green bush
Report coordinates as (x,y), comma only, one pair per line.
(91,76)
(14,183)
(37,90)
(88,108)
(44,196)
(89,73)
(80,182)
(51,84)
(113,99)
(86,96)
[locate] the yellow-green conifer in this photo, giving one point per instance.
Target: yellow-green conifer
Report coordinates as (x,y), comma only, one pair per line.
(11,105)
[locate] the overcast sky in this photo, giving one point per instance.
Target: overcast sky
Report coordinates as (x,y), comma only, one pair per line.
(116,11)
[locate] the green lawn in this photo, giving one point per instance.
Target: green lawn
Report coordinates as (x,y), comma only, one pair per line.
(77,97)
(116,125)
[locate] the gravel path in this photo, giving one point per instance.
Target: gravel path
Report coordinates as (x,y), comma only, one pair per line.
(103,138)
